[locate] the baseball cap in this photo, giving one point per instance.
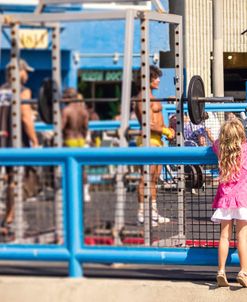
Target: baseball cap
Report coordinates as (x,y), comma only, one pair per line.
(23,65)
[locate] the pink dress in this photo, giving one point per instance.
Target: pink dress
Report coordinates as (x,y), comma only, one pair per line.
(230,201)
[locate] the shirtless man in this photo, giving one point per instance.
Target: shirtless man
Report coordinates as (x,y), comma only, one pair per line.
(74,120)
(75,125)
(157,129)
(29,137)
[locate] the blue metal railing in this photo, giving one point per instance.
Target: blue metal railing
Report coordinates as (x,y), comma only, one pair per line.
(73,250)
(167,110)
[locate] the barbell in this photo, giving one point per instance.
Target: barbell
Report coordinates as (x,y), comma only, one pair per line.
(45,99)
(195,99)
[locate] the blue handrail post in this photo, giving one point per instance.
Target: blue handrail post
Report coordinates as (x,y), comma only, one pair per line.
(73,181)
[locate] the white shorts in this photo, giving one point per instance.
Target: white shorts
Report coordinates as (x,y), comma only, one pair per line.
(229,214)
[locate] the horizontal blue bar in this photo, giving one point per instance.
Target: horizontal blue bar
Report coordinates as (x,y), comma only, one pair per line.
(95,156)
(134,124)
(42,127)
(217,107)
(167,256)
(111,125)
(38,253)
(225,107)
(93,125)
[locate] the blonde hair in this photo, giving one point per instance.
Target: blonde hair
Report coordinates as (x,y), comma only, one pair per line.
(231,138)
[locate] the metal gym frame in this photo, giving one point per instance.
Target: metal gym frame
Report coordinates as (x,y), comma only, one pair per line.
(43,3)
(129,16)
(16,125)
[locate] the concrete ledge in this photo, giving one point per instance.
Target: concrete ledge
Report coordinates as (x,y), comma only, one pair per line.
(35,289)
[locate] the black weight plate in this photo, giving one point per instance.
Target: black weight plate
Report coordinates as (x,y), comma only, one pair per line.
(190,176)
(200,176)
(182,113)
(190,143)
(45,100)
(196,109)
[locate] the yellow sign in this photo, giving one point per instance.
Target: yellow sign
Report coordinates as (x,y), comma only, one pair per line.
(33,38)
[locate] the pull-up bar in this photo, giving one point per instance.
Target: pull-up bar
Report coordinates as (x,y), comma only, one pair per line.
(43,3)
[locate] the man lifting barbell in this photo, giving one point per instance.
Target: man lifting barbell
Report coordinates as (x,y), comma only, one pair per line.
(157,128)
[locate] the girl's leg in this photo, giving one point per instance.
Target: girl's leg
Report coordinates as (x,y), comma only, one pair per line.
(242,243)
(225,237)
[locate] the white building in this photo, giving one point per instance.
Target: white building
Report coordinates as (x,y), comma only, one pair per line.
(198,41)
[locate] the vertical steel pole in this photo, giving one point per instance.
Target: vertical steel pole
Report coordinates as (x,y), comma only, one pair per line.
(16,130)
(39,8)
(127,76)
(218,60)
(15,85)
(56,77)
(178,32)
(125,112)
(73,176)
(218,56)
(145,95)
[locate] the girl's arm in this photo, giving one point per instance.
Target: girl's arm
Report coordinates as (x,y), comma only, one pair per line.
(216,146)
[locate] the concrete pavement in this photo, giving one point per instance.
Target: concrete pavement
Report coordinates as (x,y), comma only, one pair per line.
(37,289)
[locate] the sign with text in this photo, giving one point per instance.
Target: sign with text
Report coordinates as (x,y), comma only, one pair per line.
(33,38)
(101,75)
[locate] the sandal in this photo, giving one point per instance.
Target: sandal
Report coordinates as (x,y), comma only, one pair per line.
(242,278)
(221,279)
(7,228)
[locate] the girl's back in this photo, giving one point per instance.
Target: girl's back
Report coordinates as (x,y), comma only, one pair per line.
(231,149)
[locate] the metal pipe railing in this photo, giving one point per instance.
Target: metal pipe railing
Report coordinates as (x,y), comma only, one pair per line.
(106,156)
(73,250)
(167,109)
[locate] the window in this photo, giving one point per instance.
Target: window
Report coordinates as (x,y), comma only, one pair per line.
(235,74)
(103,84)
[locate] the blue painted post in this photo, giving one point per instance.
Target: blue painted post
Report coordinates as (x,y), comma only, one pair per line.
(73,181)
(165,115)
(72,72)
(246,90)
(64,204)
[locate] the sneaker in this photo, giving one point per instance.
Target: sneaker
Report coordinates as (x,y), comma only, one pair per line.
(158,218)
(140,217)
(242,278)
(221,279)
(87,197)
(193,191)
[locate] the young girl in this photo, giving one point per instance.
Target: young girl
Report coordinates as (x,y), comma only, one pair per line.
(230,201)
